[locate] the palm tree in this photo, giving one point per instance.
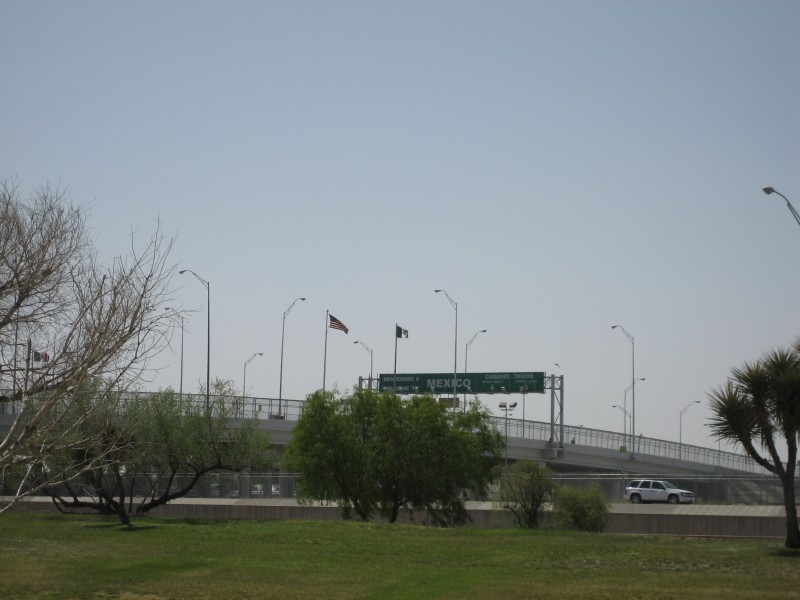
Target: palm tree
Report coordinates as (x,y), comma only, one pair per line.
(758,407)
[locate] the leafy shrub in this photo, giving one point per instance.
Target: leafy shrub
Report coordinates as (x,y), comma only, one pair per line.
(582,509)
(525,487)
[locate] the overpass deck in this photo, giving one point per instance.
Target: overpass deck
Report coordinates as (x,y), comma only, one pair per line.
(564,448)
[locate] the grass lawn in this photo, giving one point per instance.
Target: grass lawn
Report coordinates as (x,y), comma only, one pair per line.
(55,556)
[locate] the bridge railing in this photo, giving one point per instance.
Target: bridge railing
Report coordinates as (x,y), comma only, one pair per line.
(611,440)
(273,408)
(250,407)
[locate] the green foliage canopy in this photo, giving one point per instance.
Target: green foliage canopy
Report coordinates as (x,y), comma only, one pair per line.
(165,437)
(525,487)
(584,509)
(375,453)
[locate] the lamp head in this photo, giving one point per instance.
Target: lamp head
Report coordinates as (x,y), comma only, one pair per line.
(768,190)
(513,405)
(182,272)
(613,327)
(303,299)
(483,331)
(437,291)
(502,405)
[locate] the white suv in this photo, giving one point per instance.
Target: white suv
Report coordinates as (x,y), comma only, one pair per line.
(650,490)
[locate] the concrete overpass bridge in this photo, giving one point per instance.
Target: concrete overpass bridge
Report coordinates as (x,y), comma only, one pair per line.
(581,456)
(561,447)
(577,455)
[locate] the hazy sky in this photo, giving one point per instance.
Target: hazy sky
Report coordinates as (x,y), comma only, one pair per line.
(557,167)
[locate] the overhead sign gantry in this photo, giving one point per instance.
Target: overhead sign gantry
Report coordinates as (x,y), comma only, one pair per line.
(465,383)
(485,383)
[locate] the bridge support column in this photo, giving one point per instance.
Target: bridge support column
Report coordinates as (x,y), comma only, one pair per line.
(286,485)
(244,483)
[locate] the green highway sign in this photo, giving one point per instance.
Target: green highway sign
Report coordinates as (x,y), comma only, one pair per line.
(465,383)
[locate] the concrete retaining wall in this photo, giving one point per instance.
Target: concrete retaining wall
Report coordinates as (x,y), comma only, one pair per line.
(688,520)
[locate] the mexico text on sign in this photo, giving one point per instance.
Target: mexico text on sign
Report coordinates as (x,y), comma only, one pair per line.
(465,383)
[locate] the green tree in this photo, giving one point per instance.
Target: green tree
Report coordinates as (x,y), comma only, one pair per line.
(376,453)
(757,407)
(325,449)
(524,488)
(169,445)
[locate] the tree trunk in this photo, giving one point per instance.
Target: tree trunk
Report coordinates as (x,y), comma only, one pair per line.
(533,516)
(395,512)
(124,518)
(792,531)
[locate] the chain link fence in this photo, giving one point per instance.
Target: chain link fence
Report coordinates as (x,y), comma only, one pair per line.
(746,490)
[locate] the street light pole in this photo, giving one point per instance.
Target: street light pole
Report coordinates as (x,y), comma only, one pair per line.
(244,375)
(208,334)
(507,408)
(625,418)
(633,385)
(455,346)
(680,428)
(283,331)
(625,395)
(368,349)
(14,373)
(180,389)
(466,356)
(180,316)
(770,190)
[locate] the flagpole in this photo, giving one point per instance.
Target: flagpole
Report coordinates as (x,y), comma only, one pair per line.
(27,370)
(325,363)
(14,378)
(394,378)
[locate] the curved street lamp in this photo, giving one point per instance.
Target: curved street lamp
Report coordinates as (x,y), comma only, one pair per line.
(633,384)
(625,419)
(368,349)
(466,357)
(455,345)
(208,334)
(680,428)
(625,395)
(507,408)
(244,375)
(770,190)
(180,316)
(283,331)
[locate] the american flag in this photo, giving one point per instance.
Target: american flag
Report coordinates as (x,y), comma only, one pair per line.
(337,324)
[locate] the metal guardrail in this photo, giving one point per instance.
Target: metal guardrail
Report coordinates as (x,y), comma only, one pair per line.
(272,408)
(289,410)
(611,440)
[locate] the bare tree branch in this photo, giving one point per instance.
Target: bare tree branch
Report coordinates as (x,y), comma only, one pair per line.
(98,324)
